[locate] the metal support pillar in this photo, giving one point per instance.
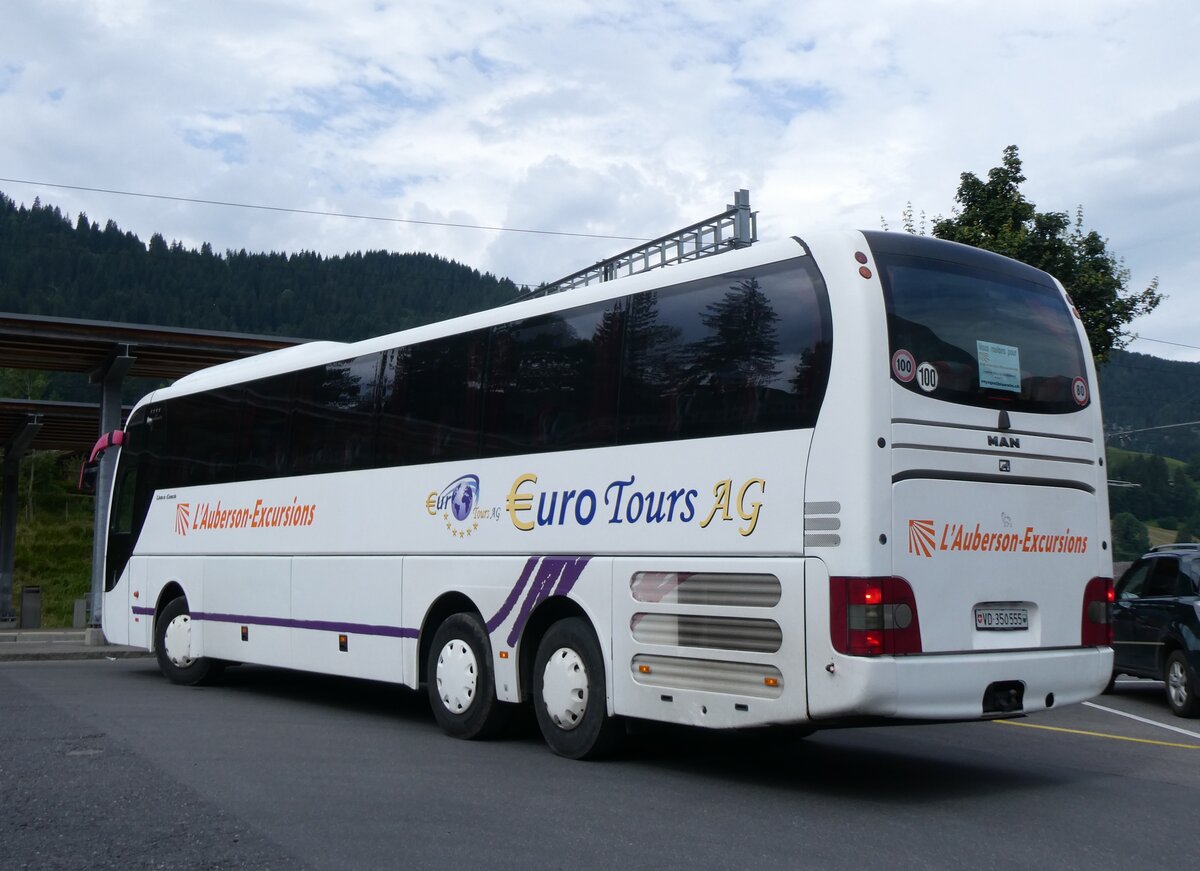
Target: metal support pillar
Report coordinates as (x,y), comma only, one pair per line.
(745,225)
(109,376)
(13,452)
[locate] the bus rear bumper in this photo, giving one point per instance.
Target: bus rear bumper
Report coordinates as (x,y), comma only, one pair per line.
(982,685)
(959,686)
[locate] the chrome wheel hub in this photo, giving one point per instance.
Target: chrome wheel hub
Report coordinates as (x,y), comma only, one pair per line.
(457,675)
(565,688)
(1177,684)
(177,641)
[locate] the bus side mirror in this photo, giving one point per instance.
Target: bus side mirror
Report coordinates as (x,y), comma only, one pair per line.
(91,467)
(87,477)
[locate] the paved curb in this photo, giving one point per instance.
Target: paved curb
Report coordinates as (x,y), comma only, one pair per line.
(98,652)
(31,645)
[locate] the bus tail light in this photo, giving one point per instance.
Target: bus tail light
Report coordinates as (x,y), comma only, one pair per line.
(873,616)
(1097,627)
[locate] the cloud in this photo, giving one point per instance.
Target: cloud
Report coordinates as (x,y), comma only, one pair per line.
(619,118)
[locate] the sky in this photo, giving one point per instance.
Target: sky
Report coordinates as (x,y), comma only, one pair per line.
(617,119)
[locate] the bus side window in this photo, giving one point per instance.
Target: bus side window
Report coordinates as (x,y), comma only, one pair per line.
(264,442)
(431,404)
(552,382)
(333,421)
(735,354)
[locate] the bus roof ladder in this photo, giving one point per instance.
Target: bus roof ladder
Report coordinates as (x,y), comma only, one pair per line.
(736,227)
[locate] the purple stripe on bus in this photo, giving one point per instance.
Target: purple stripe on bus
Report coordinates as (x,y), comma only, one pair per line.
(502,615)
(557,574)
(552,570)
(570,575)
(319,625)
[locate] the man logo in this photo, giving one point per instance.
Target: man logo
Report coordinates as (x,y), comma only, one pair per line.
(921,539)
(183,517)
(1003,441)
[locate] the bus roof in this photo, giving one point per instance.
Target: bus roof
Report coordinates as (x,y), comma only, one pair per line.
(318,353)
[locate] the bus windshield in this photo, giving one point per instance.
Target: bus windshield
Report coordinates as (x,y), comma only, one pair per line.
(969,334)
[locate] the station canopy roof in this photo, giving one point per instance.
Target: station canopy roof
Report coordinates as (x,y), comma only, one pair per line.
(86,346)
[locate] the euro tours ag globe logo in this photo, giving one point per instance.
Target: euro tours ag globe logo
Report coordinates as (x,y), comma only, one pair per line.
(462,496)
(456,505)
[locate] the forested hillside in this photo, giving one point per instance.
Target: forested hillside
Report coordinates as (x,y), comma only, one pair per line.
(1140,392)
(50,265)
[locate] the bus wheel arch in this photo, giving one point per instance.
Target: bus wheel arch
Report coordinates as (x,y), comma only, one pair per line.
(173,645)
(171,590)
(444,607)
(545,615)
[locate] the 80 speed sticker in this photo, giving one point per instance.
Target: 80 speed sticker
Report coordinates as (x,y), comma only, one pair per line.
(1079,390)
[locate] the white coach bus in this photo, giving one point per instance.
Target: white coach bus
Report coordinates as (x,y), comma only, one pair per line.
(849,478)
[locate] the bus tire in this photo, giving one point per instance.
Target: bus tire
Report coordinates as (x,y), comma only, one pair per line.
(460,681)
(173,647)
(1181,686)
(569,692)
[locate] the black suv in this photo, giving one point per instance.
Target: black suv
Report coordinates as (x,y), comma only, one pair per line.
(1156,623)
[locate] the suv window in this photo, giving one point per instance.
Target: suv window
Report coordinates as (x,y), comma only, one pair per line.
(1164,578)
(1130,586)
(1191,573)
(1160,576)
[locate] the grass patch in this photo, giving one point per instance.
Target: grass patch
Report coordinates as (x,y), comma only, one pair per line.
(54,537)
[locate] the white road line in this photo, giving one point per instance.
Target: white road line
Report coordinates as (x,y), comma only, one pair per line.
(1142,720)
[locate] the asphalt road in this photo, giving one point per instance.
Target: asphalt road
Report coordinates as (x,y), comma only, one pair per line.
(103,764)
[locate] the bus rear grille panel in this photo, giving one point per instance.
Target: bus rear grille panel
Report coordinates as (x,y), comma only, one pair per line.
(720,633)
(732,678)
(707,588)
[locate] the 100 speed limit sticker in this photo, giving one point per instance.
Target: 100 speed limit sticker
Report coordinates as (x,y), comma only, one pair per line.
(905,368)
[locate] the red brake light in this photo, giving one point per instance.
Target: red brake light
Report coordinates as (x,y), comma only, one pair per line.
(873,616)
(1096,628)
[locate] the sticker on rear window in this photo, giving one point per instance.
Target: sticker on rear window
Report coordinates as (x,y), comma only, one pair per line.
(999,366)
(1079,390)
(927,377)
(904,367)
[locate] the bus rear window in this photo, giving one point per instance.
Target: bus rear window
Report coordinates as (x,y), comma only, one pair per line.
(972,334)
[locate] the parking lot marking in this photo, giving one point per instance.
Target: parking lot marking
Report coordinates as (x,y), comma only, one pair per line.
(1142,720)
(1098,735)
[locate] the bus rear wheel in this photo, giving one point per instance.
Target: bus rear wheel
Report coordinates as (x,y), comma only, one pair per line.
(569,693)
(173,647)
(459,678)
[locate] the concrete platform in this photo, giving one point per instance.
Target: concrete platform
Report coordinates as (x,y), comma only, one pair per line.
(18,645)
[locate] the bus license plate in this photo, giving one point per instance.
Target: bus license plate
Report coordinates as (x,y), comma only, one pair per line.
(1001,619)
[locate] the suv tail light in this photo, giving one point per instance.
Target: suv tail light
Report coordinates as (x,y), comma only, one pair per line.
(873,616)
(1097,613)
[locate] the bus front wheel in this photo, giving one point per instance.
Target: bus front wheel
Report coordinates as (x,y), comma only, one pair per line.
(462,687)
(173,647)
(568,692)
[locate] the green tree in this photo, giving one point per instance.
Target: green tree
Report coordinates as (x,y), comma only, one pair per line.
(1130,538)
(23,384)
(995,215)
(1188,529)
